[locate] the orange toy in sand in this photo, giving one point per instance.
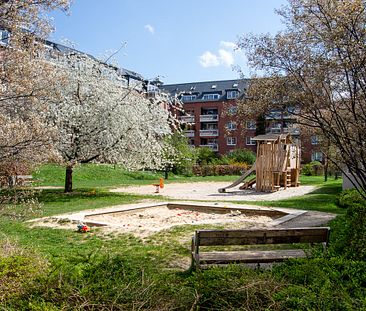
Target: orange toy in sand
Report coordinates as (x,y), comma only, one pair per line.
(160,185)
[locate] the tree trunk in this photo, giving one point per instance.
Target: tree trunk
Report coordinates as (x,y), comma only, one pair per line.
(326,169)
(68,179)
(166,172)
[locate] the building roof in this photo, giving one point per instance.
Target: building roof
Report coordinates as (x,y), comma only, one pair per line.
(68,50)
(208,87)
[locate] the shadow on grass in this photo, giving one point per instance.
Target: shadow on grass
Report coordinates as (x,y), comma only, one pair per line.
(55,201)
(322,199)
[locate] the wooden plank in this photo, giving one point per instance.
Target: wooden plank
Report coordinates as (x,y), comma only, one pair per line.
(260,232)
(249,256)
(252,237)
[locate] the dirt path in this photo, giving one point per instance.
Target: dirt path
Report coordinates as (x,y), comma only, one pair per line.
(208,191)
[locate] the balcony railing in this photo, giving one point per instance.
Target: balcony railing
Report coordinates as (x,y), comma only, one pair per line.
(280,116)
(189,133)
(214,147)
(278,130)
(209,133)
(209,117)
(187,119)
(292,130)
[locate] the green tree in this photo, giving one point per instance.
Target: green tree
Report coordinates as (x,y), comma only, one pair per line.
(317,66)
(183,157)
(242,156)
(206,155)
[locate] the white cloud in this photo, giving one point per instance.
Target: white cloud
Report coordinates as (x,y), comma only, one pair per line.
(150,28)
(208,59)
(226,56)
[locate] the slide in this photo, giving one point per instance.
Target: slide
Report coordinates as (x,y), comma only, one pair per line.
(240,180)
(248,184)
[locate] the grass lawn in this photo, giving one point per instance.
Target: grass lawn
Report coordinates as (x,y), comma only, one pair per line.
(91,184)
(55,201)
(323,199)
(110,271)
(107,176)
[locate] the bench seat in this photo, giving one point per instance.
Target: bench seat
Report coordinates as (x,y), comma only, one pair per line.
(206,258)
(285,239)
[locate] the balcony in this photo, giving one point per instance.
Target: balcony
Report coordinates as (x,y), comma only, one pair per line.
(292,130)
(189,133)
(286,130)
(280,116)
(187,119)
(209,133)
(209,117)
(214,147)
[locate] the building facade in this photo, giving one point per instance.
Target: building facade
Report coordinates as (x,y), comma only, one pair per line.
(209,118)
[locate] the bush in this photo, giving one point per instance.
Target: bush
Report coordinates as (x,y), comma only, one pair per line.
(234,288)
(322,284)
(349,198)
(313,168)
(348,238)
(206,156)
(242,156)
(19,271)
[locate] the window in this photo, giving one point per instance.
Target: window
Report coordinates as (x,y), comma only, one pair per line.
(231,141)
(314,140)
(233,110)
(249,141)
(231,125)
(210,96)
(209,111)
(209,126)
(317,156)
(232,94)
(4,37)
(151,88)
(188,98)
(250,125)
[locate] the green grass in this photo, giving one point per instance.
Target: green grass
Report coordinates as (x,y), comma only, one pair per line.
(92,176)
(107,176)
(322,199)
(55,201)
(91,183)
(104,271)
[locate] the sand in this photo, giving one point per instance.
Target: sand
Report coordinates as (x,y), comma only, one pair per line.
(151,220)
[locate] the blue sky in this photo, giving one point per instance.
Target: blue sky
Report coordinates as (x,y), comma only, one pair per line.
(180,41)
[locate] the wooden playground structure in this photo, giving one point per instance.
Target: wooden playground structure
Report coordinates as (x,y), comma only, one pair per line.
(277,165)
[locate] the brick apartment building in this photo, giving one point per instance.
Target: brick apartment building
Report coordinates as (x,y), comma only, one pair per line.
(209,118)
(207,123)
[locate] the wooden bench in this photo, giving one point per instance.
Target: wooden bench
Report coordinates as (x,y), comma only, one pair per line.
(254,237)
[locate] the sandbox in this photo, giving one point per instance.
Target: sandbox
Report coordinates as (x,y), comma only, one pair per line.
(148,218)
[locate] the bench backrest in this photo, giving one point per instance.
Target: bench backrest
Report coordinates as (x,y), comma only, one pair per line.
(261,236)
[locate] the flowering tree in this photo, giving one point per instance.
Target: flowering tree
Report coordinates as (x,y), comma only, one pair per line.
(317,64)
(27,83)
(99,119)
